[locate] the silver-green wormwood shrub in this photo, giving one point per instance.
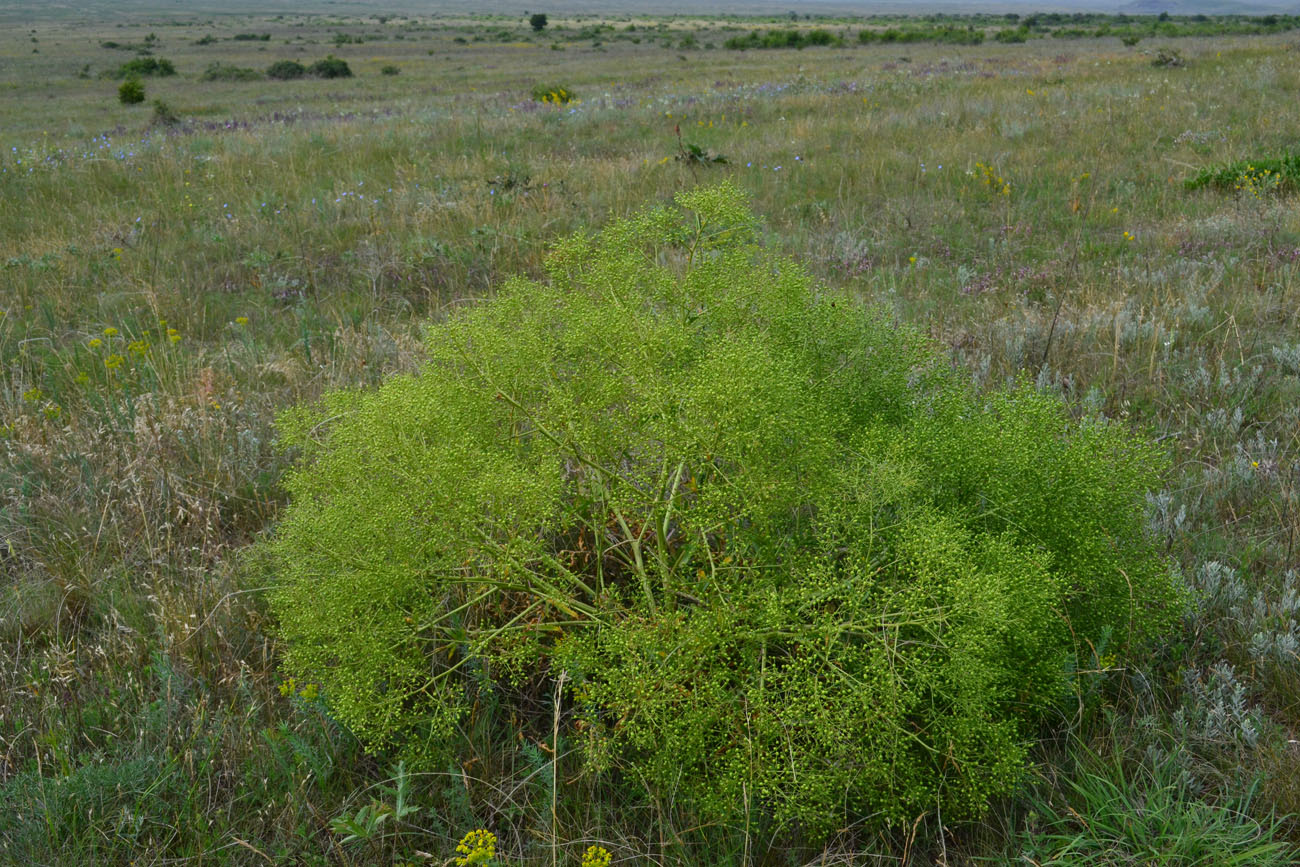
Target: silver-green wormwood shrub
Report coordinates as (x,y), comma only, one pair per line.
(787,563)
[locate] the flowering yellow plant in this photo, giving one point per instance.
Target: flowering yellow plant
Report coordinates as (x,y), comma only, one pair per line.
(477,847)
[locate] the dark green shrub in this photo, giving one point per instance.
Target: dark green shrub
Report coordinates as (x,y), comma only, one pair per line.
(537,21)
(131,92)
(947,35)
(331,67)
(783,563)
(390,70)
(252,37)
(782,39)
(285,70)
(142,66)
(228,72)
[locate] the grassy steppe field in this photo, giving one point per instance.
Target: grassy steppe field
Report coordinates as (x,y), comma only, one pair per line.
(172,277)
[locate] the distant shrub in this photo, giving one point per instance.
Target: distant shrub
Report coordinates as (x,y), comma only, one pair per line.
(145,47)
(390,70)
(1168,58)
(538,21)
(252,37)
(942,35)
(146,66)
(1130,40)
(331,67)
(164,114)
(553,94)
(285,70)
(1012,35)
(227,72)
(209,39)
(782,39)
(778,555)
(131,92)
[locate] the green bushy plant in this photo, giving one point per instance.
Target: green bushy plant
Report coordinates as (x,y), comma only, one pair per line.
(331,67)
(285,70)
(943,35)
(776,555)
(783,39)
(154,66)
(131,92)
(229,72)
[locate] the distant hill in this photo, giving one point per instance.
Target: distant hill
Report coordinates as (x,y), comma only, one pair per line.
(1204,7)
(25,12)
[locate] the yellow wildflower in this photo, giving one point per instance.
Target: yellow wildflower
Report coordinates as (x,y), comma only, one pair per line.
(476,847)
